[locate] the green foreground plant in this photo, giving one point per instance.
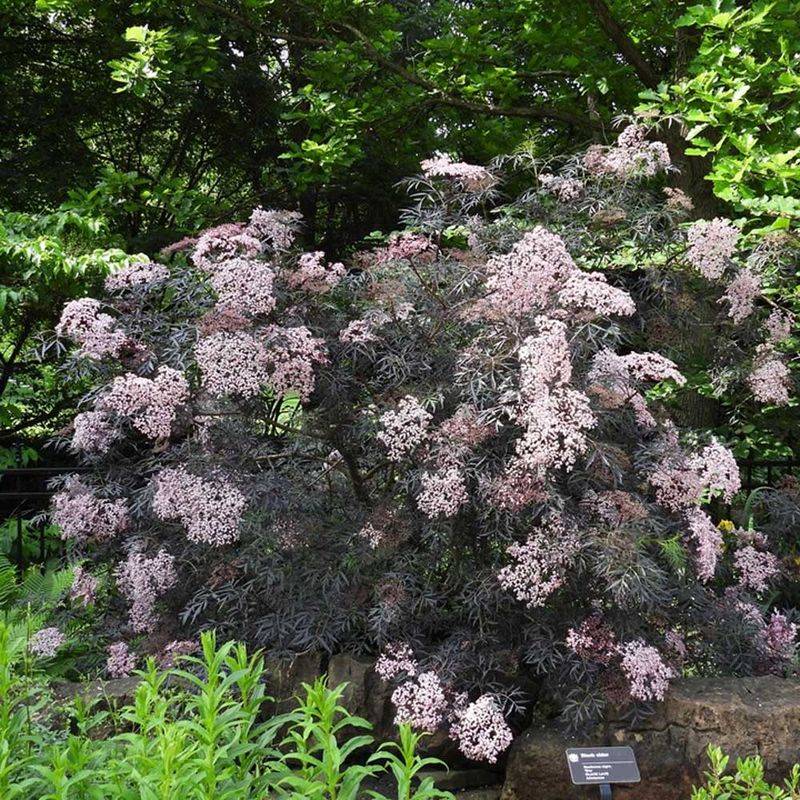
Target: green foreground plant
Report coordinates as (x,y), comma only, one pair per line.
(747,783)
(198,732)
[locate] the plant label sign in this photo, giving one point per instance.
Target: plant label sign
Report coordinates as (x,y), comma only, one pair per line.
(598,765)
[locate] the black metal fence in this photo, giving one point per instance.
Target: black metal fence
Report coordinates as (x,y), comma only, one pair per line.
(25,495)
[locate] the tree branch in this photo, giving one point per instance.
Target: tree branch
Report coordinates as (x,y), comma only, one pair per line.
(619,36)
(444,98)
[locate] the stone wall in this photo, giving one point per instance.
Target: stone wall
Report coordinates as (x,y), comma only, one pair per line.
(744,716)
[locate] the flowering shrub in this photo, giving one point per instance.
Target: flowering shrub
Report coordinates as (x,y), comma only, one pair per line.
(450,455)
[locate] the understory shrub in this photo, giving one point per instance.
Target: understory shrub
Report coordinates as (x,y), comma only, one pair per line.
(455,452)
(746,783)
(195,732)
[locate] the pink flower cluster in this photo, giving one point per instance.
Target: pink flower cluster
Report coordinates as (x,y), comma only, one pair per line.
(718,470)
(481,730)
(243,285)
(712,243)
(314,275)
(470,176)
(741,295)
(120,662)
(708,542)
(225,242)
(277,229)
(590,291)
(556,417)
(140,273)
(209,509)
(646,671)
(404,429)
(93,432)
(97,333)
(632,156)
(524,279)
(779,325)
(81,515)
(770,379)
(539,272)
(46,642)
(142,580)
(680,481)
(780,636)
(442,493)
(232,363)
(755,568)
(593,640)
(539,567)
(565,189)
(173,652)
(84,586)
(359,331)
(396,659)
(420,702)
(151,405)
(294,352)
(404,247)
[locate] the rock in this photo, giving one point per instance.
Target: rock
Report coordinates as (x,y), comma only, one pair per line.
(492,793)
(107,694)
(743,716)
(286,677)
(455,780)
(366,694)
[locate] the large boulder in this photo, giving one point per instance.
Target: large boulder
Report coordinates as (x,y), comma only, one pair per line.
(744,716)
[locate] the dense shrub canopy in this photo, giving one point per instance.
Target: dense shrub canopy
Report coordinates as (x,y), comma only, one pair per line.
(451,451)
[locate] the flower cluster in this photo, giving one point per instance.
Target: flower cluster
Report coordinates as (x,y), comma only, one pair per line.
(173,651)
(210,509)
(708,542)
(539,567)
(646,671)
(233,363)
(593,640)
(631,157)
(84,586)
(755,568)
(276,229)
(97,333)
(770,379)
(404,247)
(46,642)
(442,493)
(225,242)
(780,636)
(712,243)
(396,659)
(404,429)
(470,176)
(150,405)
(94,432)
(565,189)
(139,273)
(779,325)
(82,515)
(142,580)
(293,354)
(244,286)
(314,275)
(741,295)
(420,702)
(717,469)
(120,662)
(481,730)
